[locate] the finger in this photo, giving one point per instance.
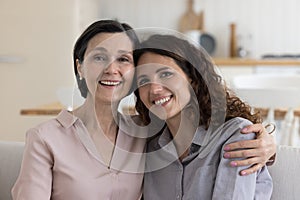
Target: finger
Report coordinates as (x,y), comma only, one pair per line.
(244,153)
(246,162)
(243,144)
(256,128)
(251,170)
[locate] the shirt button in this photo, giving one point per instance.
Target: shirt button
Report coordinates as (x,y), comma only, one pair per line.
(177,197)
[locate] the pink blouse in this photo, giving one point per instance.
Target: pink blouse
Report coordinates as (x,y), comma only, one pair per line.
(60,161)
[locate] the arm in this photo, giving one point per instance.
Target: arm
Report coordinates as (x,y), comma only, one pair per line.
(35,178)
(256,152)
(229,184)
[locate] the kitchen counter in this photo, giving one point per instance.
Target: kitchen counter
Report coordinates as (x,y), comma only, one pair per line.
(55,107)
(254,62)
(47,109)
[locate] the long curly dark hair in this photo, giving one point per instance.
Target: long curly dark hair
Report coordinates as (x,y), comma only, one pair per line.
(215,99)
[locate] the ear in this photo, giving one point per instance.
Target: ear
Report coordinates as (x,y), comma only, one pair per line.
(79,68)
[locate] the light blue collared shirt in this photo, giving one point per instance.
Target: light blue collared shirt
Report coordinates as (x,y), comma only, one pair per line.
(205,178)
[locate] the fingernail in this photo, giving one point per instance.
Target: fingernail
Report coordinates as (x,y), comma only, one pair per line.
(233,164)
(226,148)
(226,155)
(243,173)
(244,129)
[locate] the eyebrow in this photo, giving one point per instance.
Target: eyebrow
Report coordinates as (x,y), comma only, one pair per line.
(125,52)
(105,50)
(141,76)
(100,49)
(160,69)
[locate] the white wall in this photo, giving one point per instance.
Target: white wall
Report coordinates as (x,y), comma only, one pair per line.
(273,24)
(42,33)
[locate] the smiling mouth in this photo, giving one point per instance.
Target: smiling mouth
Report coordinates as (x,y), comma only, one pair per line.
(162,100)
(110,83)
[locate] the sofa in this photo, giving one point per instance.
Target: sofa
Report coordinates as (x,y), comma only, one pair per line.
(285,173)
(10,161)
(286,179)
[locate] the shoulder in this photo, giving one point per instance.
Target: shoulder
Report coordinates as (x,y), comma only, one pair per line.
(129,119)
(44,127)
(133,125)
(238,122)
(231,130)
(52,127)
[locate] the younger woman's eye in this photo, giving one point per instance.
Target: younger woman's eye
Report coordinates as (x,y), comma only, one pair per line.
(166,74)
(143,82)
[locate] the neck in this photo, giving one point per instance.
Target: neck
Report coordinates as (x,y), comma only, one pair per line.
(183,129)
(98,118)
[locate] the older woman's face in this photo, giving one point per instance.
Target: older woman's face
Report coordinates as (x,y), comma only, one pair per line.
(163,86)
(108,66)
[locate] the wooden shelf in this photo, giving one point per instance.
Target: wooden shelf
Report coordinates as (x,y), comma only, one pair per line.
(254,62)
(49,109)
(279,113)
(56,107)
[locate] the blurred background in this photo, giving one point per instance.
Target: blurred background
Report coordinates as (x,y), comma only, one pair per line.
(37,37)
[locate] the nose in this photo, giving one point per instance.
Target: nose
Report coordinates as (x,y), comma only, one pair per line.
(155,88)
(112,68)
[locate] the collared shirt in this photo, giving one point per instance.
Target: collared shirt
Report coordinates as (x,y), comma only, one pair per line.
(61,162)
(202,177)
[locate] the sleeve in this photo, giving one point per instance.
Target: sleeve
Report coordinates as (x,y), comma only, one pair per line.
(264,185)
(271,160)
(35,178)
(229,184)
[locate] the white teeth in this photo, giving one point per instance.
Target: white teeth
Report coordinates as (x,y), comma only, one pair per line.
(161,101)
(110,83)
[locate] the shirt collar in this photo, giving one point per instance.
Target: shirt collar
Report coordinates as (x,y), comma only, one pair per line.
(66,118)
(165,137)
(199,136)
(198,139)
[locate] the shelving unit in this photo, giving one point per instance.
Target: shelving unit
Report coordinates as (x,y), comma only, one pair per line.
(255,62)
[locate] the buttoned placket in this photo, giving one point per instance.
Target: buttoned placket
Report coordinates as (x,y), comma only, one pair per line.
(179,182)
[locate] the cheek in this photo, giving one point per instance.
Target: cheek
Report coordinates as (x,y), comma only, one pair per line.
(182,92)
(128,73)
(186,96)
(91,76)
(92,71)
(143,92)
(128,76)
(176,84)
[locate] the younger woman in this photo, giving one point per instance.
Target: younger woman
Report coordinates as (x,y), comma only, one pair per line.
(177,83)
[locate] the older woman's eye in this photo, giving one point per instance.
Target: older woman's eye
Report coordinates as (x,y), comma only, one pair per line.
(100,58)
(124,59)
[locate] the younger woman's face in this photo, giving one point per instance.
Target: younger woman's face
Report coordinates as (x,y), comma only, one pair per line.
(108,66)
(163,86)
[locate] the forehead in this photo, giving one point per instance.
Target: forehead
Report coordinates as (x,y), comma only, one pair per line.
(111,42)
(150,62)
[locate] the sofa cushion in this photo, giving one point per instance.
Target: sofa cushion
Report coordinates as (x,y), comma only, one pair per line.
(285,173)
(10,161)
